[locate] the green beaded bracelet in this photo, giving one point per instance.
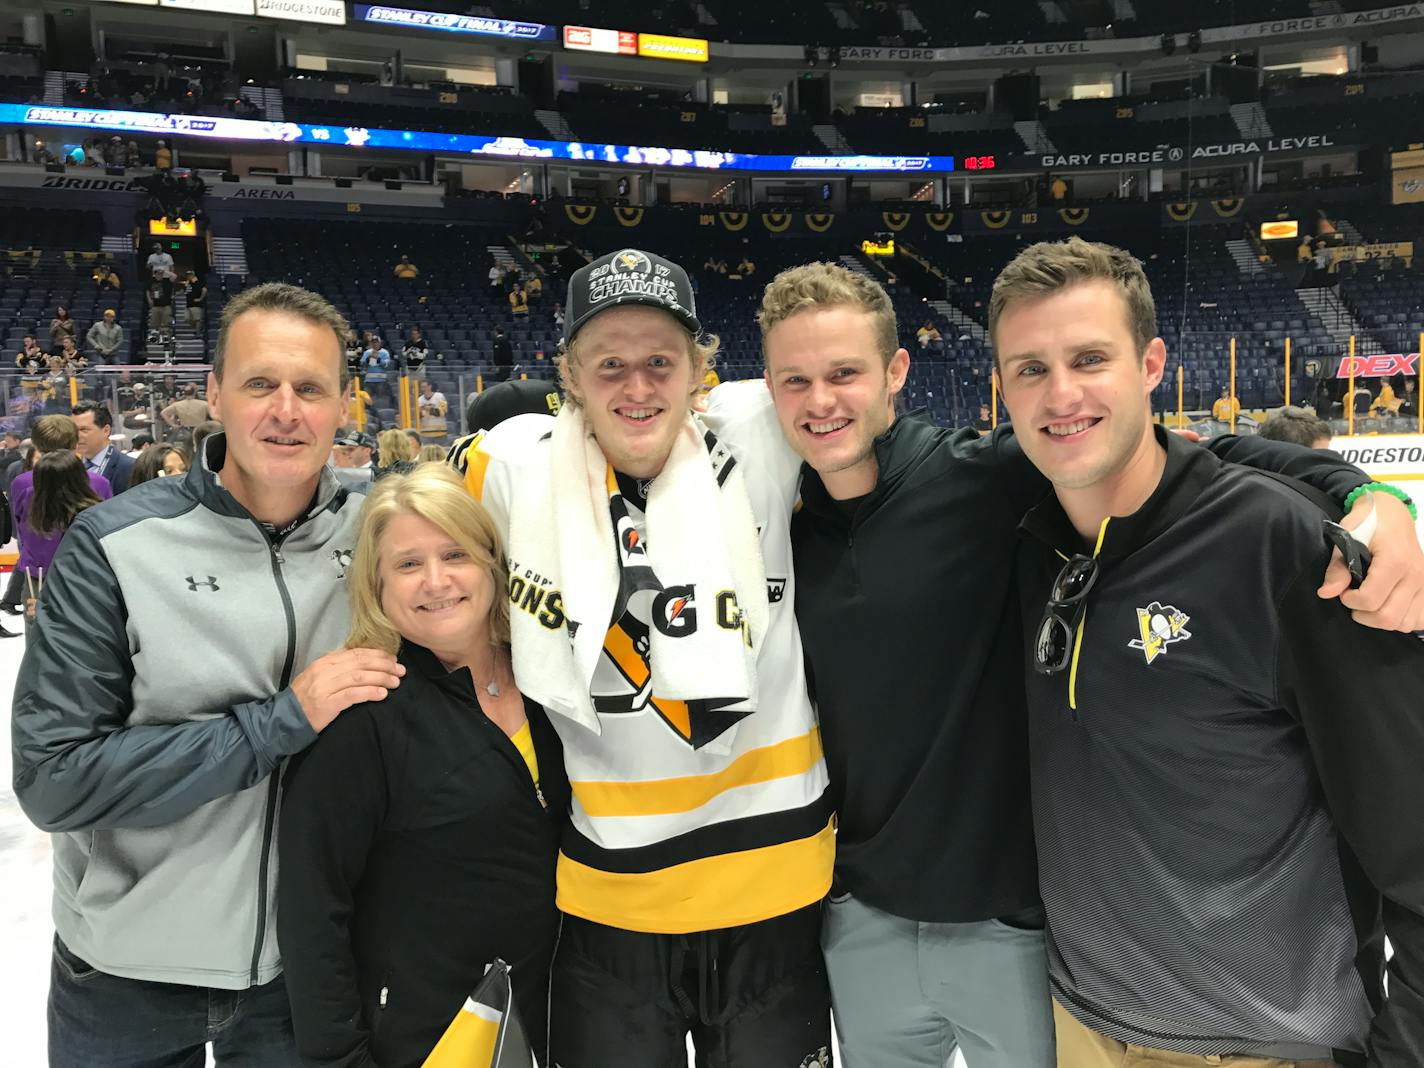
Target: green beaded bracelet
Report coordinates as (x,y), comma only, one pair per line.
(1381,487)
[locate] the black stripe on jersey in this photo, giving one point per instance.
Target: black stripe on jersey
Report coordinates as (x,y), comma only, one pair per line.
(717,450)
(457,457)
(718,839)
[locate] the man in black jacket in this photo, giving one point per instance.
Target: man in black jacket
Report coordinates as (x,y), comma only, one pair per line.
(904,555)
(1215,798)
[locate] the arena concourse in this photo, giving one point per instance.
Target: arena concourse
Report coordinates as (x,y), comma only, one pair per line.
(439,172)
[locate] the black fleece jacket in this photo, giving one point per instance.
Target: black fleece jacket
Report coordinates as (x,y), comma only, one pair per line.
(414,850)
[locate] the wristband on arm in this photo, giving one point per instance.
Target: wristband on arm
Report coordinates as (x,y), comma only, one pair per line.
(1381,487)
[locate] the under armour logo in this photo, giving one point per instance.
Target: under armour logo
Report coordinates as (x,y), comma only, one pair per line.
(211,584)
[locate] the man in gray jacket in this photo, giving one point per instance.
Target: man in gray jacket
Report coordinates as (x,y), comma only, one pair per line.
(184,649)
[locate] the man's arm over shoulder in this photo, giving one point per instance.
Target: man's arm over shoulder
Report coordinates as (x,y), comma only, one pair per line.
(77,762)
(1318,468)
(1356,692)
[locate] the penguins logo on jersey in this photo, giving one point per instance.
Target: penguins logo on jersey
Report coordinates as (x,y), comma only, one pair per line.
(1159,626)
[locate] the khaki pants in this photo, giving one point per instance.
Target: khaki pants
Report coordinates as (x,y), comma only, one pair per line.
(1082,1047)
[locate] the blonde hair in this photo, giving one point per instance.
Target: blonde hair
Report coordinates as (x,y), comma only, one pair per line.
(1050,266)
(54,433)
(433,492)
(431,454)
(829,285)
(701,351)
(393,446)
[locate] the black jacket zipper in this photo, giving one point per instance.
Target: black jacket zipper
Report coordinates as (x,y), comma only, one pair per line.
(274,783)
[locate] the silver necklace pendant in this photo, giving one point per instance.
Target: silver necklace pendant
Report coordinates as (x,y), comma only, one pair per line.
(492,689)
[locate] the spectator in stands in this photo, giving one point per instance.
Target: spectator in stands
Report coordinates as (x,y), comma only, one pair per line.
(433,408)
(1388,402)
(518,303)
(139,444)
(31,358)
(416,441)
(503,356)
(201,433)
(1303,253)
(73,360)
(496,281)
(163,157)
(746,267)
(95,426)
(61,490)
(1408,400)
(106,278)
(376,369)
(135,403)
(177,765)
(158,461)
(1226,408)
(105,338)
(159,262)
(160,306)
(1357,400)
(132,156)
(414,808)
(714,264)
(534,287)
(559,317)
(1297,426)
(416,351)
(431,454)
(195,296)
(406,270)
(61,327)
(394,447)
(351,460)
(1058,189)
(187,413)
(926,333)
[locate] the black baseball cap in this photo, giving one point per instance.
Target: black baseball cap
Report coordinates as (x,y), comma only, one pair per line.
(629,276)
(505,400)
(356,439)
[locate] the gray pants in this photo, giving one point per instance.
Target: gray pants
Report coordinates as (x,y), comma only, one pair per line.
(907,994)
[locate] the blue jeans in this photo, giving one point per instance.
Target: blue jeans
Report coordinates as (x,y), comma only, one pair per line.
(101,1019)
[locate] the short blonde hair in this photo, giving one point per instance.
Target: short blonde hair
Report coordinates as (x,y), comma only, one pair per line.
(701,351)
(829,285)
(1049,266)
(435,493)
(393,446)
(54,433)
(431,454)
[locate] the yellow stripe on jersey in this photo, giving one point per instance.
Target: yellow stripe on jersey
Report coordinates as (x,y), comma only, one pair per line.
(728,890)
(476,463)
(658,797)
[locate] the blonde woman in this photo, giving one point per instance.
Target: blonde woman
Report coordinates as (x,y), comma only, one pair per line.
(419,835)
(393,446)
(432,454)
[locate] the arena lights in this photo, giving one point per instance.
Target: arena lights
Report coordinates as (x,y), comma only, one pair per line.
(449,23)
(233,129)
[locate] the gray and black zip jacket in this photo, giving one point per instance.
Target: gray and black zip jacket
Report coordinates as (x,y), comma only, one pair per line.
(152,708)
(1226,783)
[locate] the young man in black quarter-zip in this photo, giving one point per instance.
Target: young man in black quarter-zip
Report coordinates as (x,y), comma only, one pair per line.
(1227,824)
(904,555)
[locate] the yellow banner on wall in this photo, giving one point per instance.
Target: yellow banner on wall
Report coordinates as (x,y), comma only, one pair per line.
(661,46)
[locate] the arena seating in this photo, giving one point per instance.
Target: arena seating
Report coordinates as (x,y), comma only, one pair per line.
(49,259)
